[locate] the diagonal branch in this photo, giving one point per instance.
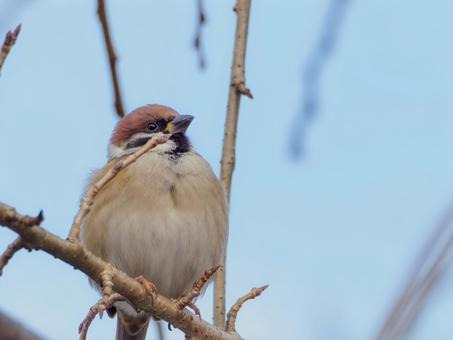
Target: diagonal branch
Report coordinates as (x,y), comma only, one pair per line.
(237,89)
(426,273)
(79,257)
(13,248)
(185,300)
(88,199)
(10,40)
(232,314)
(112,57)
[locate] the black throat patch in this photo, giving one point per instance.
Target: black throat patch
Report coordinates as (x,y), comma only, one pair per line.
(182,144)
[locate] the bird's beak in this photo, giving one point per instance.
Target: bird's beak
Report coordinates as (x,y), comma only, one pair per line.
(179,124)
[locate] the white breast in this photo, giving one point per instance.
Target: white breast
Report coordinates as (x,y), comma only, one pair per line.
(162,218)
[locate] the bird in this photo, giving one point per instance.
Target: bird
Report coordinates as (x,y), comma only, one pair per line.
(162,218)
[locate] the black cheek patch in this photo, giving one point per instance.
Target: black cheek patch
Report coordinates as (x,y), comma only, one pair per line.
(137,142)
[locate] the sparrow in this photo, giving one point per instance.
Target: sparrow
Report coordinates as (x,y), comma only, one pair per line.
(164,217)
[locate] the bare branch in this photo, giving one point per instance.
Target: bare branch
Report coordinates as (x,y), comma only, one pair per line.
(237,89)
(19,243)
(232,314)
(13,330)
(88,199)
(13,248)
(424,276)
(185,300)
(10,40)
(79,257)
(313,71)
(424,290)
(197,42)
(112,57)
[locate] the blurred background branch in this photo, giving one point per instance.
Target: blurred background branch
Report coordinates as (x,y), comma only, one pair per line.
(427,272)
(312,75)
(13,330)
(198,40)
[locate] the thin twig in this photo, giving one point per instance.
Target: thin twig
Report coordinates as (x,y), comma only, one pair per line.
(237,89)
(13,248)
(19,243)
(10,40)
(88,199)
(112,57)
(197,41)
(183,301)
(312,74)
(232,314)
(75,254)
(417,278)
(424,291)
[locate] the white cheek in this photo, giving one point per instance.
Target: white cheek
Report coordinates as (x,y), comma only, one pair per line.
(115,151)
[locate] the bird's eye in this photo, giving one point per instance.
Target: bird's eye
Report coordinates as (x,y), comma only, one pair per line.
(152,126)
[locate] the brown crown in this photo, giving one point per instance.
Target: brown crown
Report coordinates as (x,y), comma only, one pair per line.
(138,119)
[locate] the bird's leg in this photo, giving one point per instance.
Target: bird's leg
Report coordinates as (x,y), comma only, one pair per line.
(186,300)
(150,288)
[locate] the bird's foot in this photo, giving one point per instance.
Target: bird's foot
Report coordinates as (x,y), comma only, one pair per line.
(83,327)
(149,287)
(195,309)
(104,303)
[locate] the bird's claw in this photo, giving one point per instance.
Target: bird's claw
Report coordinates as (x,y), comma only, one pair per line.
(195,309)
(149,287)
(83,327)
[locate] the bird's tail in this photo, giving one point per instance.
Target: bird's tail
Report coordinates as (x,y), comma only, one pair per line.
(122,331)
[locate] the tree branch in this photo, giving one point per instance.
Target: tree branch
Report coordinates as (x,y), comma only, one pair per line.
(19,243)
(13,248)
(237,89)
(185,300)
(234,310)
(427,270)
(80,258)
(112,57)
(13,330)
(10,40)
(112,280)
(88,199)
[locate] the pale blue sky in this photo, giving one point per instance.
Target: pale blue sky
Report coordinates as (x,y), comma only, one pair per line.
(333,235)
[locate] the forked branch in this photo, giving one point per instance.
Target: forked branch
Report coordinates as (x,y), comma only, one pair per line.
(79,257)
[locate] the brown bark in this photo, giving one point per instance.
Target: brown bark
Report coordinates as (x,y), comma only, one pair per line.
(237,89)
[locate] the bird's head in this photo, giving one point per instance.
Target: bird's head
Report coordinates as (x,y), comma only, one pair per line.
(148,121)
